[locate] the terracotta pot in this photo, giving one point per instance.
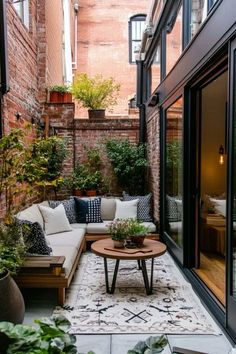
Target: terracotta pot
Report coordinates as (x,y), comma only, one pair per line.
(118,244)
(56,97)
(78,192)
(12,306)
(91,193)
(135,241)
(96,113)
(67,97)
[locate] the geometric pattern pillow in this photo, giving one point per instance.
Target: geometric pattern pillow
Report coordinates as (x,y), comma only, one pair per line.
(173,209)
(144,205)
(88,210)
(69,206)
(34,238)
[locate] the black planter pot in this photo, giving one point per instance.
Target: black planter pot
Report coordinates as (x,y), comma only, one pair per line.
(12,306)
(96,113)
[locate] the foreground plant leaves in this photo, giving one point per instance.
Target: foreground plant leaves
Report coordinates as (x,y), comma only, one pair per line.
(153,345)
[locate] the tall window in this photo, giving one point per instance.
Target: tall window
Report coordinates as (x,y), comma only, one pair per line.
(22,8)
(174,37)
(136,28)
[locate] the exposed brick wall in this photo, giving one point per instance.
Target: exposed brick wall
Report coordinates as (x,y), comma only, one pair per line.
(89,134)
(153,153)
(103,39)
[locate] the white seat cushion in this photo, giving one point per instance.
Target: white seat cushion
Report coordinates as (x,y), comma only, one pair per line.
(69,252)
(73,238)
(98,228)
(151,226)
(79,226)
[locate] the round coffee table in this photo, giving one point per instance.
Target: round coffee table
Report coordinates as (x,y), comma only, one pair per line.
(150,250)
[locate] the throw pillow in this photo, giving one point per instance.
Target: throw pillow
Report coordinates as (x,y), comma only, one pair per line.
(88,210)
(55,220)
(34,238)
(219,206)
(144,205)
(173,210)
(126,210)
(69,206)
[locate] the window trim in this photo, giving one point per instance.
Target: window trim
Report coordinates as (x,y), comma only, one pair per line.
(24,12)
(138,17)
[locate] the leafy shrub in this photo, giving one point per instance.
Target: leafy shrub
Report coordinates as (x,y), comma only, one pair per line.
(95,92)
(129,163)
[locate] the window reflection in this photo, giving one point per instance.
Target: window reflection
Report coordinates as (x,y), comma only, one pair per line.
(198,15)
(174,171)
(156,69)
(174,39)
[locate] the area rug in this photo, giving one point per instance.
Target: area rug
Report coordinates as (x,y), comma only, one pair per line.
(172,308)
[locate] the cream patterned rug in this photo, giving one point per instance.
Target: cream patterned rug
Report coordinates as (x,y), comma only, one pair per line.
(172,308)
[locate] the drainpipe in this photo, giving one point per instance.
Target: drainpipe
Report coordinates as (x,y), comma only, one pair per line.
(139,100)
(76,9)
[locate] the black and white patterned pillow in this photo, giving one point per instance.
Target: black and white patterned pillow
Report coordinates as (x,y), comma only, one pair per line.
(88,210)
(144,205)
(34,238)
(69,206)
(173,212)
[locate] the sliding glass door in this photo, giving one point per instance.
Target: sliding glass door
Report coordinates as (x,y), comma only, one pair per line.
(173,177)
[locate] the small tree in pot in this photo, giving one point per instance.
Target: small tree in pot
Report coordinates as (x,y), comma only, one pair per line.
(95,93)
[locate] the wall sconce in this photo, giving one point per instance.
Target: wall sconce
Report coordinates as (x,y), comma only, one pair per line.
(221,153)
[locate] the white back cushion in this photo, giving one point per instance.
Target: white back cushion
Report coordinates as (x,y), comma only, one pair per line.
(55,220)
(32,214)
(126,210)
(108,208)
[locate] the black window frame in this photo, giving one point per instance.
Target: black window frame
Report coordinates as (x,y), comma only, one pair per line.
(134,18)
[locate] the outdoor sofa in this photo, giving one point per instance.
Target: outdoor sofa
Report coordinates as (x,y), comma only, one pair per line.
(66,237)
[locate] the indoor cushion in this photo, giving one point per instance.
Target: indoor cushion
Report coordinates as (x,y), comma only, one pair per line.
(34,238)
(108,208)
(144,205)
(69,206)
(219,206)
(88,210)
(126,210)
(55,220)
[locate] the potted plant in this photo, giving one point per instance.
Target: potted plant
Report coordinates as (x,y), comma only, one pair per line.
(92,182)
(59,94)
(137,233)
(52,336)
(95,93)
(119,230)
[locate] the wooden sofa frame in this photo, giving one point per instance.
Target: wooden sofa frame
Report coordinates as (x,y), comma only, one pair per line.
(48,272)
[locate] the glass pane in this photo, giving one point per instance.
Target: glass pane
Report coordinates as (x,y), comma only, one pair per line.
(234,186)
(174,171)
(19,8)
(174,41)
(198,15)
(156,69)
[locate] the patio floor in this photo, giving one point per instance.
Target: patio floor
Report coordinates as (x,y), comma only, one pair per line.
(41,302)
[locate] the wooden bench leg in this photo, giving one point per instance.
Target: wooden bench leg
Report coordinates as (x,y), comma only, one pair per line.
(84,246)
(61,296)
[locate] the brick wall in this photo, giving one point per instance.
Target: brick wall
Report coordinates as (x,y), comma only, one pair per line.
(153,153)
(103,39)
(89,134)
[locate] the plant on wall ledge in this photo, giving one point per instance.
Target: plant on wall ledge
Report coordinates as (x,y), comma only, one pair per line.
(95,93)
(129,163)
(59,93)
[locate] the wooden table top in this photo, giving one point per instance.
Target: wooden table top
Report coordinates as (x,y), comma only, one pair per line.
(150,249)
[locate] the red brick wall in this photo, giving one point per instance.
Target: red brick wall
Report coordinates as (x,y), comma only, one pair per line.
(153,153)
(103,39)
(89,134)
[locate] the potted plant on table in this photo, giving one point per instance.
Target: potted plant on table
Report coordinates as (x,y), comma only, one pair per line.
(136,233)
(95,93)
(119,230)
(60,93)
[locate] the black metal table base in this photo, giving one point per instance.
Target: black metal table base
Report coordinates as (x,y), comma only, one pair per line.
(141,265)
